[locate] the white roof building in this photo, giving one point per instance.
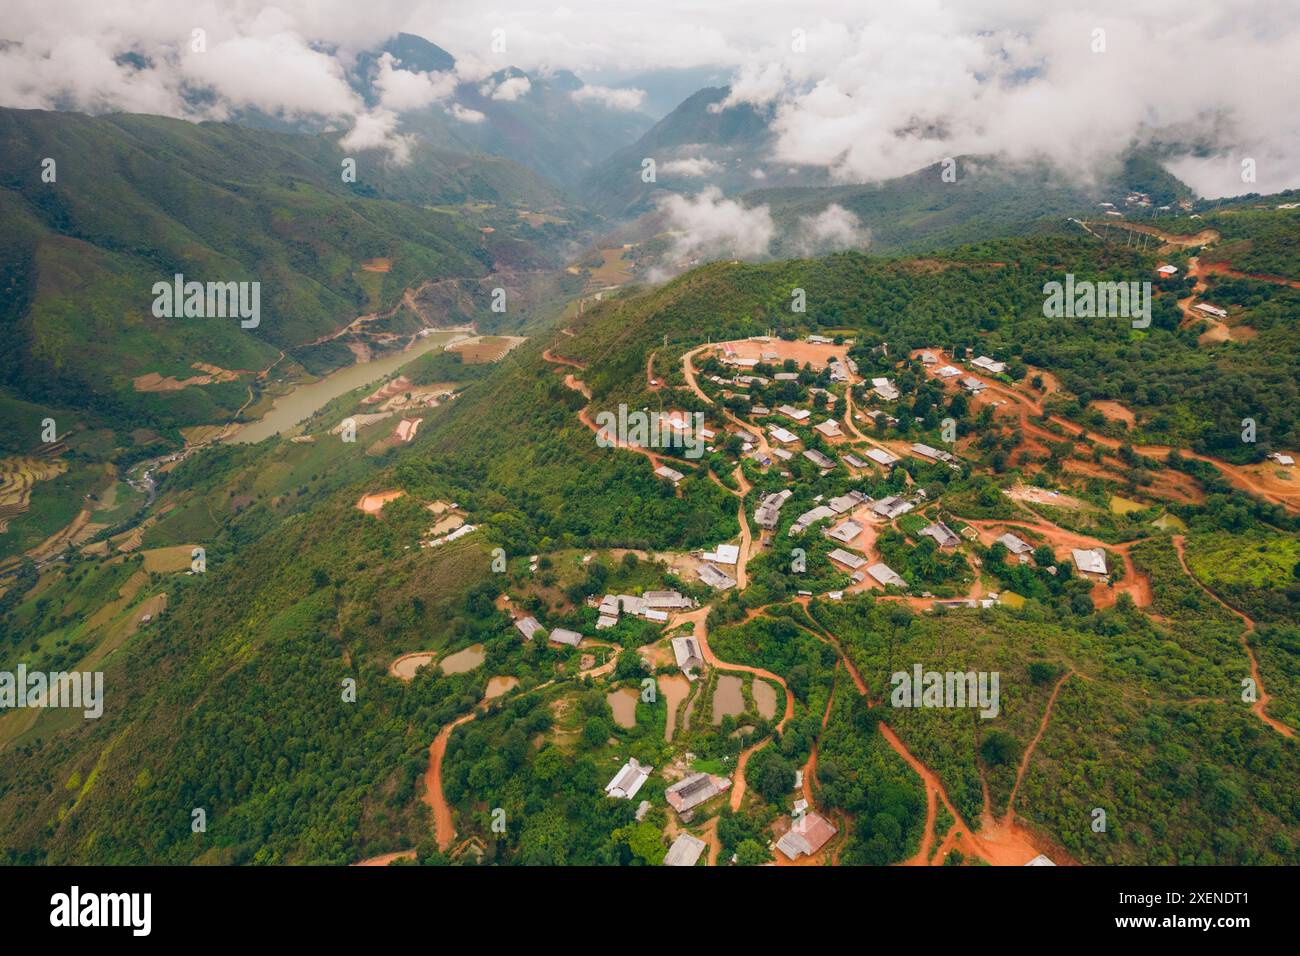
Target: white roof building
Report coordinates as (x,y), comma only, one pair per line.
(947,372)
(1167,270)
(1211,309)
(782,435)
(1281,459)
(797,414)
(884,388)
(1089,561)
(818,459)
(830,428)
(943,535)
(724,554)
(973,385)
(989,365)
(628,780)
(885,575)
(671,474)
(881,457)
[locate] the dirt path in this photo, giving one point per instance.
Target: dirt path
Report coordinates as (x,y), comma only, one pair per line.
(443,824)
(1260,706)
(1033,745)
(550,356)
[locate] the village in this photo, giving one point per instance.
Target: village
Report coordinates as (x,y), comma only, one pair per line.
(834,500)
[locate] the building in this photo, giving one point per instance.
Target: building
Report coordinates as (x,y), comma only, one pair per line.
(934,454)
(1167,271)
(847,558)
(989,365)
(818,459)
(671,474)
(628,780)
(666,600)
(853,461)
(830,428)
(686,650)
(929,358)
(809,518)
(1212,310)
(885,389)
(943,536)
(690,792)
(723,554)
(885,575)
(786,376)
(562,635)
(782,435)
(846,502)
(973,385)
(845,531)
(1089,561)
(1040,860)
(807,834)
(947,372)
(528,626)
(768,514)
(685,851)
(1281,459)
(715,577)
(1015,545)
(891,507)
(795,414)
(882,457)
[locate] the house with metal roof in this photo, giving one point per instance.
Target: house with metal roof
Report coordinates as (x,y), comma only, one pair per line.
(690,792)
(628,780)
(685,851)
(886,576)
(562,635)
(686,650)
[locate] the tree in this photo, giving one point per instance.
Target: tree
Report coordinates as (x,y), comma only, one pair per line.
(751,853)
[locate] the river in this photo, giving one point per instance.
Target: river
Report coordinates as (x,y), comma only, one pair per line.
(305,400)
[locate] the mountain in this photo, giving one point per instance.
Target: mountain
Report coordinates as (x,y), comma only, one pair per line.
(229,700)
(989,197)
(536,120)
(698,144)
(217,202)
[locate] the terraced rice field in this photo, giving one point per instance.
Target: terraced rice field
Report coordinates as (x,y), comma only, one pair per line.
(17,476)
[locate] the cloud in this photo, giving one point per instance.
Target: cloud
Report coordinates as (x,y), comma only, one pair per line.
(464,114)
(377,129)
(869,89)
(405,90)
(831,230)
(508,90)
(615,99)
(709,225)
(693,166)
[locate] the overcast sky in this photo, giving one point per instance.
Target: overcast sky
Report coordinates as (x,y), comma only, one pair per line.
(868,89)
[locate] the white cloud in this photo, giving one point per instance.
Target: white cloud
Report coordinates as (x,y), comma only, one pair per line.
(465,114)
(831,230)
(615,99)
(378,130)
(404,90)
(881,88)
(508,90)
(692,166)
(708,224)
